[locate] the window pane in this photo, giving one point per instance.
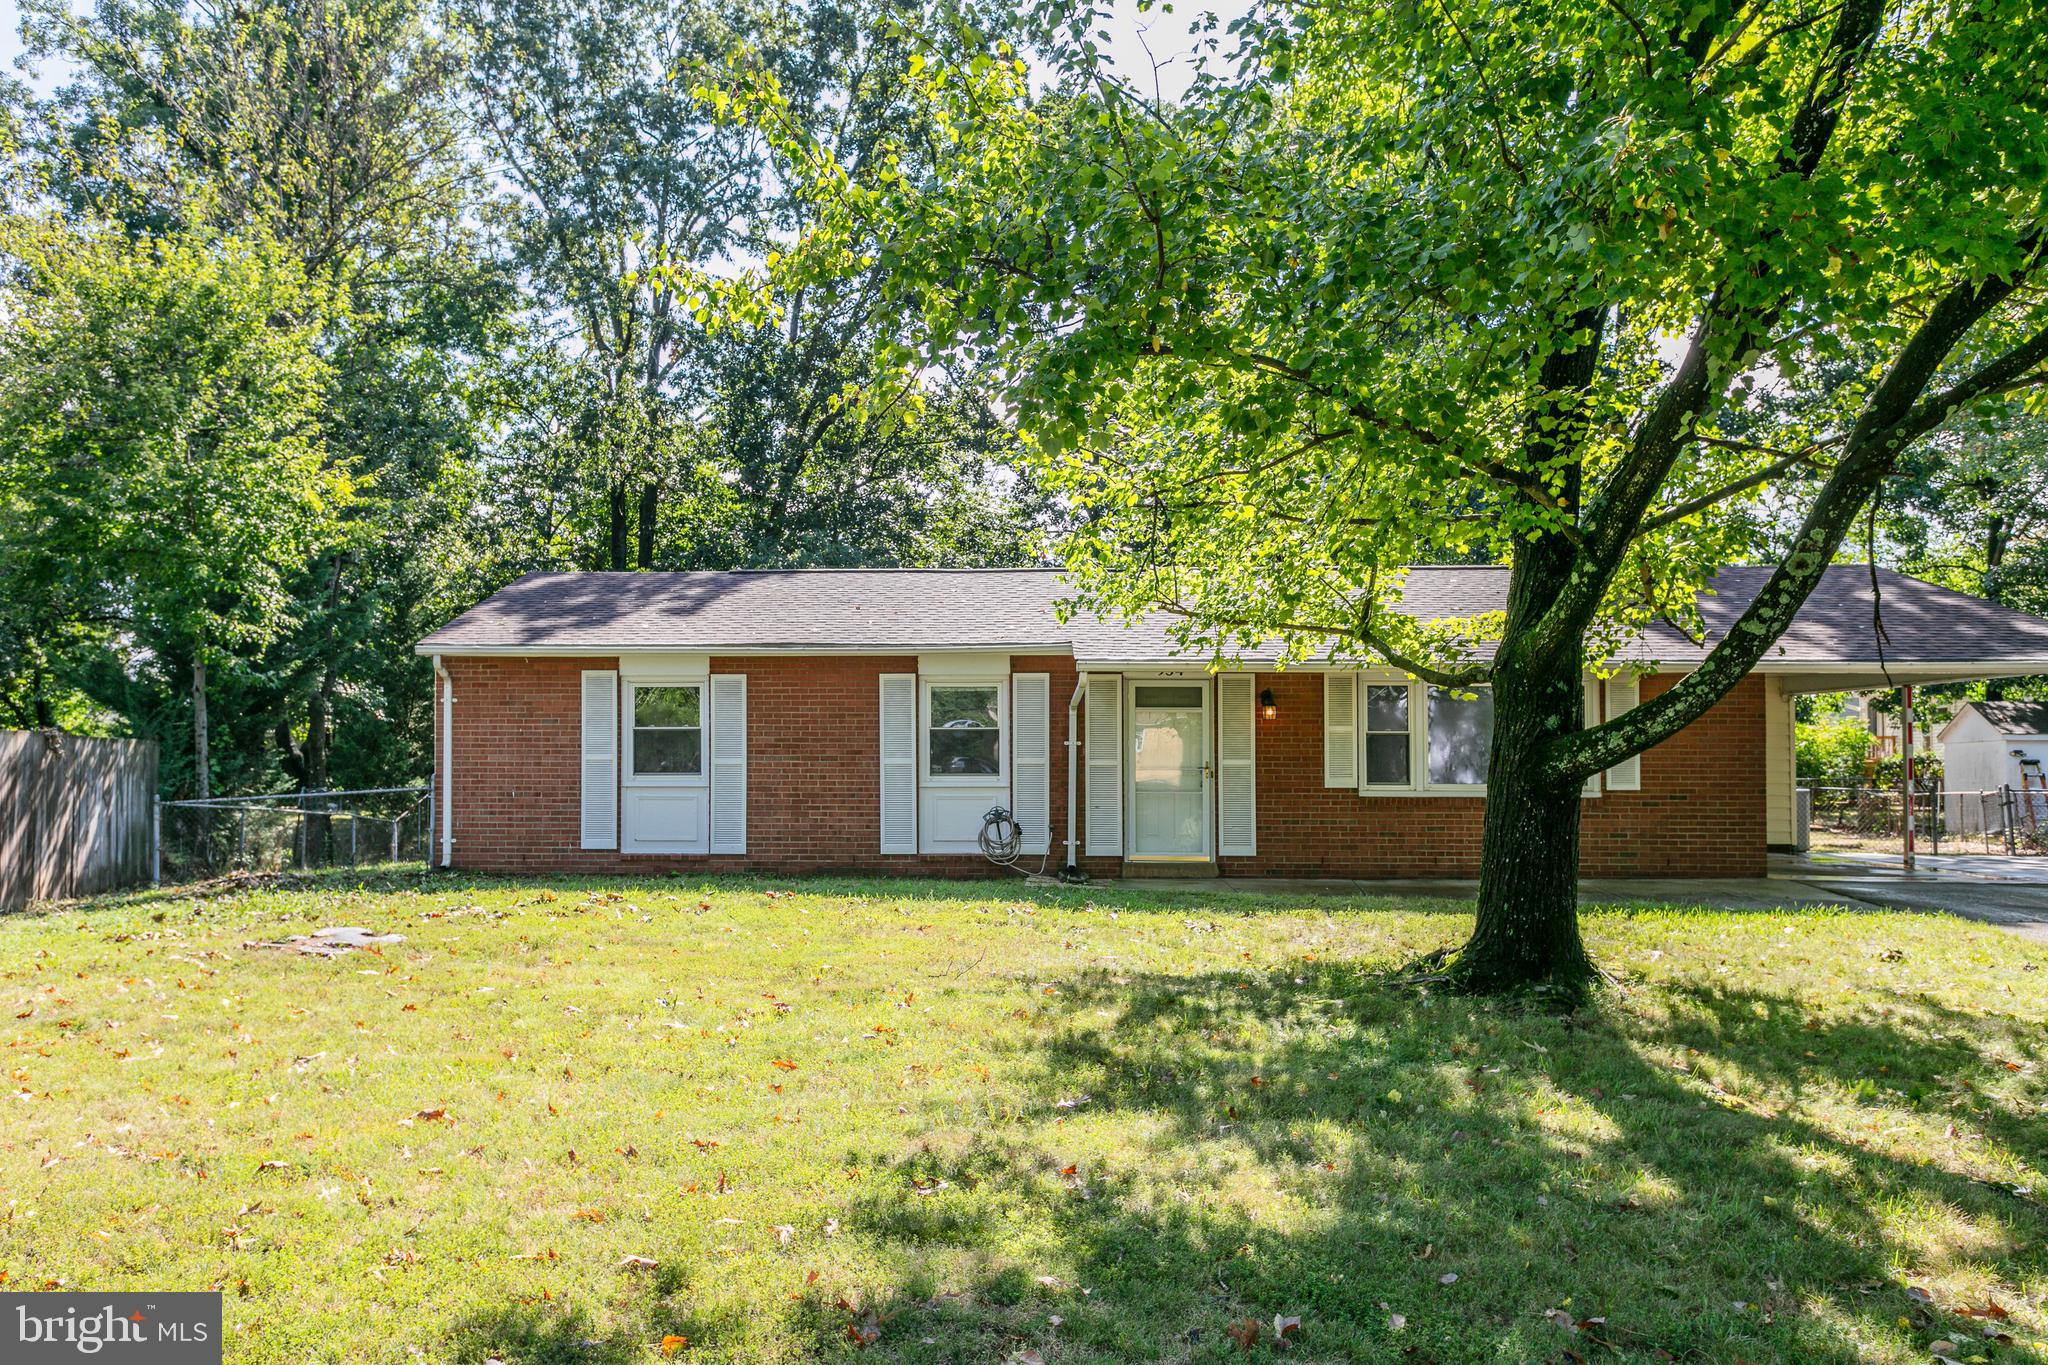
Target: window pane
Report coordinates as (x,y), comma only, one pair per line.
(668,751)
(1168,698)
(965,752)
(665,706)
(960,708)
(1460,737)
(1386,760)
(1386,709)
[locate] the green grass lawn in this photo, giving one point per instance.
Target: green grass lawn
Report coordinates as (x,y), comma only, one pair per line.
(977,1121)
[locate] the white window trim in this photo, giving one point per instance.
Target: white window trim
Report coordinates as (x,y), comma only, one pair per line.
(925,776)
(700,778)
(1418,783)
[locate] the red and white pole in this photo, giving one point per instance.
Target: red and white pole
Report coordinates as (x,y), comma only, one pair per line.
(1908,740)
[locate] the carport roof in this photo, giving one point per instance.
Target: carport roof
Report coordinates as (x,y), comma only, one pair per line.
(908,611)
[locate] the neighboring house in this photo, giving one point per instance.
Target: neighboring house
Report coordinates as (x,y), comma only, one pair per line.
(1885,726)
(868,719)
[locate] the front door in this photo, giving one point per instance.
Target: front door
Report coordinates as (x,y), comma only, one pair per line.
(1170,769)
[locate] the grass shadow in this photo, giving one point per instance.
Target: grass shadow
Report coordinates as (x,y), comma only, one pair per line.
(1421,1178)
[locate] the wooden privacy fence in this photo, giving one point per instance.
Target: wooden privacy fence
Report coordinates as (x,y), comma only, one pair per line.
(74,815)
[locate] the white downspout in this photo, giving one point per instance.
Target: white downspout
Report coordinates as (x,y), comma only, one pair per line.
(1073,768)
(447,764)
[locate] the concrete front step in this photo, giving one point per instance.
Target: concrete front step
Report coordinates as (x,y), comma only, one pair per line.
(1192,867)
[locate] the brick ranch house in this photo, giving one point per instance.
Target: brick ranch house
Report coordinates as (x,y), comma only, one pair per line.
(866,720)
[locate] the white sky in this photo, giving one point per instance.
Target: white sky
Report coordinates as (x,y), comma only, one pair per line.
(10,36)
(1130,34)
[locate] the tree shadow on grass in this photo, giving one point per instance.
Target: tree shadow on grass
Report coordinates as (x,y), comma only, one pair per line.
(1423,1179)
(557,1331)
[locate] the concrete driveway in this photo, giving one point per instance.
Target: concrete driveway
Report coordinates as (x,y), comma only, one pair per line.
(2011,893)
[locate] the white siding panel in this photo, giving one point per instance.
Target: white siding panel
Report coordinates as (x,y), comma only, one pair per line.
(599,797)
(729,763)
(1622,695)
(1236,754)
(1340,730)
(899,763)
(1592,787)
(1031,758)
(1105,743)
(1781,763)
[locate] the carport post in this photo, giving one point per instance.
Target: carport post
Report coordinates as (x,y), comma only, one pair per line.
(1908,715)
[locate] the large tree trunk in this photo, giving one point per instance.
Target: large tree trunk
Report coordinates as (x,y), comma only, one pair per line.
(650,515)
(619,522)
(202,759)
(1527,933)
(1997,689)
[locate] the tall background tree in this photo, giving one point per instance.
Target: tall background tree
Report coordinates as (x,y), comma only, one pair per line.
(329,127)
(161,477)
(522,219)
(1396,283)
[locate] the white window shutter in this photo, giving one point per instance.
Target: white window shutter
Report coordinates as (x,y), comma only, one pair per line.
(1592,787)
(899,763)
(729,763)
(1622,694)
(1236,782)
(600,794)
(1105,741)
(1031,758)
(1340,729)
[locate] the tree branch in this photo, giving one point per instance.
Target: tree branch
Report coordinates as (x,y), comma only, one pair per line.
(1893,417)
(1691,506)
(1362,633)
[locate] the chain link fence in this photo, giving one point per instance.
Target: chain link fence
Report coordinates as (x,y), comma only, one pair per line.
(300,831)
(2007,820)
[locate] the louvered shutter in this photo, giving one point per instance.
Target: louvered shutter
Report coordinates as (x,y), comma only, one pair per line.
(1105,742)
(1340,729)
(1031,758)
(1592,787)
(899,763)
(729,763)
(1622,694)
(1236,787)
(600,766)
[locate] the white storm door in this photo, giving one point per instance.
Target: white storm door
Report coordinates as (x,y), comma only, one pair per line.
(1169,769)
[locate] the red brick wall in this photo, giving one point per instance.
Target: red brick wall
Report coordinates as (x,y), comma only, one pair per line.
(813,777)
(1700,811)
(813,784)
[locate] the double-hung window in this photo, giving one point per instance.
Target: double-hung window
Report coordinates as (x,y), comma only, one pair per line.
(964,731)
(1418,737)
(1387,737)
(667,736)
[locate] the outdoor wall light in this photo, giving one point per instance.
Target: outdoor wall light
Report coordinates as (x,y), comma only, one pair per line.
(1267,706)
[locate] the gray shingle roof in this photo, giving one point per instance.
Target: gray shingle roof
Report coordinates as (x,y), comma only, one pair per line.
(2015,717)
(913,610)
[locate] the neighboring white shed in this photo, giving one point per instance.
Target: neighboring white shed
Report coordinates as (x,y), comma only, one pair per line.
(1989,745)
